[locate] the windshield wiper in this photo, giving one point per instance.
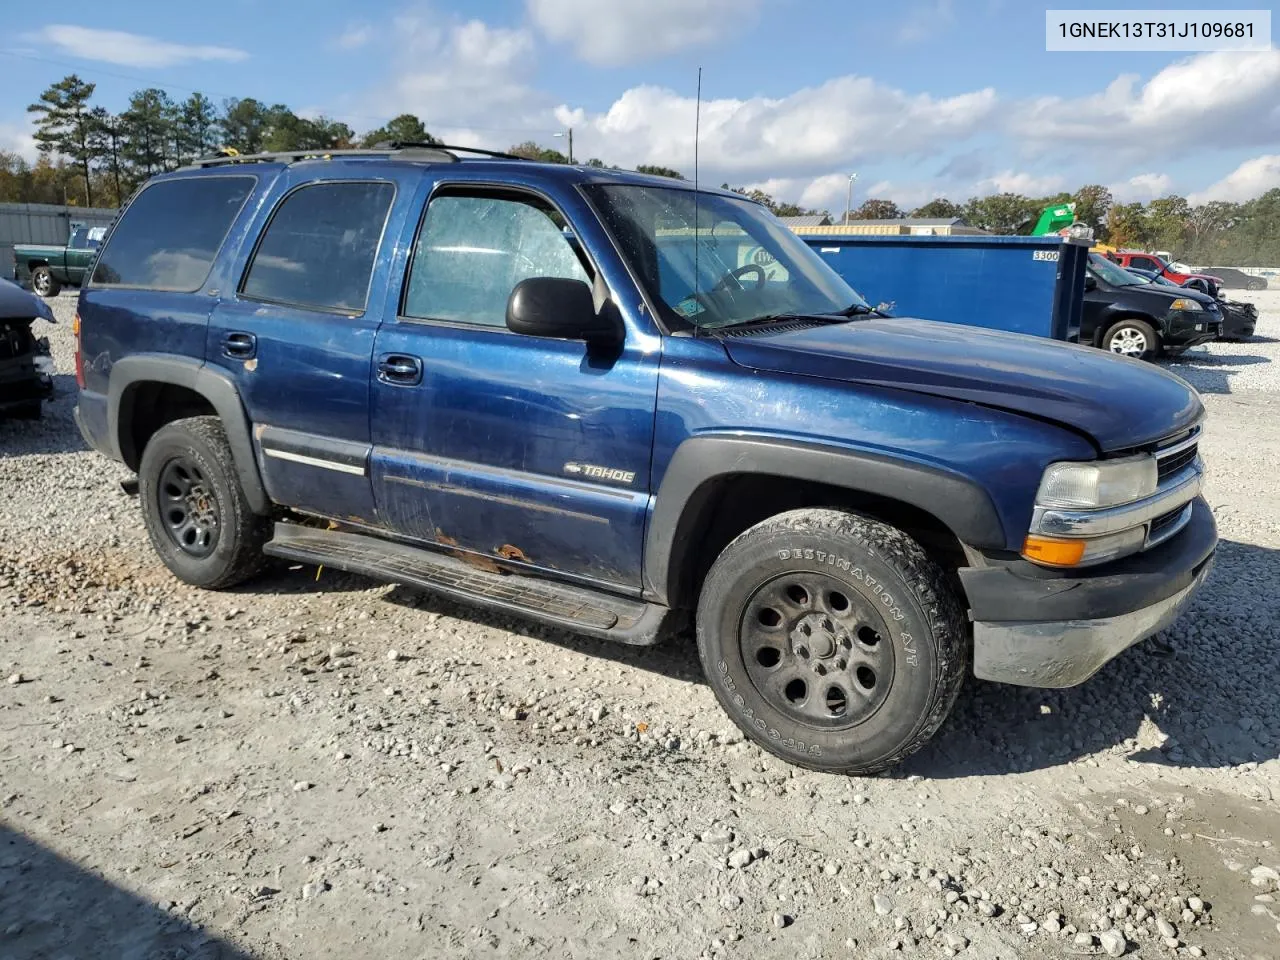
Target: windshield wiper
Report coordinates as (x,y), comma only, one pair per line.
(834,316)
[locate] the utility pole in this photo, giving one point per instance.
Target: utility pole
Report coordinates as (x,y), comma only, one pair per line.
(848,198)
(569,135)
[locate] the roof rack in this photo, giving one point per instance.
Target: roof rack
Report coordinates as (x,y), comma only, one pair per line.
(401,150)
(414,145)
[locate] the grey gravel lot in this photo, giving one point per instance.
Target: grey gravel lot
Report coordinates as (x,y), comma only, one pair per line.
(319,766)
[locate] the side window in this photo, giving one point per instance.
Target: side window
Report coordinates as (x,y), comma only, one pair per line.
(319,246)
(169,235)
(473,250)
(1145,263)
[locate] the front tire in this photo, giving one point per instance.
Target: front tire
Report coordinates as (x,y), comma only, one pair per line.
(1132,338)
(43,283)
(1256,285)
(831,640)
(194,508)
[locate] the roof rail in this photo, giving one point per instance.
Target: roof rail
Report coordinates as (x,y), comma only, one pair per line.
(452,148)
(403,150)
(292,156)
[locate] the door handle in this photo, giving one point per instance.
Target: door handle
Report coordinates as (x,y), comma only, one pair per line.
(239,346)
(400,369)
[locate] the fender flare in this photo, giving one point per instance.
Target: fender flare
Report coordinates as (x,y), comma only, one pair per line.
(214,386)
(701,461)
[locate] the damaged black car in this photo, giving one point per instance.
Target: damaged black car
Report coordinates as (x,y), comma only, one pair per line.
(26,367)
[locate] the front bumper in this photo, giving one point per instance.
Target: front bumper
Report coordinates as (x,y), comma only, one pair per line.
(1183,329)
(1043,628)
(1237,324)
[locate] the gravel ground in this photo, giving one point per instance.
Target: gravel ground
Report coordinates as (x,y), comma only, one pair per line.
(319,766)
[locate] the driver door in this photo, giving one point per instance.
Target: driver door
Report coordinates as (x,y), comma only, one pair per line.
(531,449)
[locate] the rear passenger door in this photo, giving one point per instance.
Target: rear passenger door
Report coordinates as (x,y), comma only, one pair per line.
(296,333)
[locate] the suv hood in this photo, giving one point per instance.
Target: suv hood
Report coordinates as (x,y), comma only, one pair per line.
(17,304)
(1116,401)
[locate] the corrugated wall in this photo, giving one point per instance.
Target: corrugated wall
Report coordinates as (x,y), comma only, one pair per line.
(41,223)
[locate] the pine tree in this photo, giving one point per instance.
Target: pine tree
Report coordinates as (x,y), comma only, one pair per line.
(65,125)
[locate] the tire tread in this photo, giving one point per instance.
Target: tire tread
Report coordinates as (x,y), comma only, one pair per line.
(249,530)
(943,611)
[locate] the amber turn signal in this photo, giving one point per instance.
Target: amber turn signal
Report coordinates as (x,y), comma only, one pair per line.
(1053,553)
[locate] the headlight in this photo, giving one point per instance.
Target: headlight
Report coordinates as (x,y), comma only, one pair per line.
(1104,483)
(1185,303)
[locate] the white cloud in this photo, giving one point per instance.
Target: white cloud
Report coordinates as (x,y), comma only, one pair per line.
(127,49)
(1143,187)
(1251,179)
(1212,99)
(798,146)
(15,138)
(447,73)
(1027,184)
(826,192)
(354,37)
(926,20)
(613,32)
(479,46)
(844,120)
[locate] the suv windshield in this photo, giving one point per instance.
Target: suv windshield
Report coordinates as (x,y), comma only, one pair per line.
(713,261)
(1108,272)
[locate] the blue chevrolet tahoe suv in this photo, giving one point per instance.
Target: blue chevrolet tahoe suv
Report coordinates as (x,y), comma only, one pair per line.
(618,405)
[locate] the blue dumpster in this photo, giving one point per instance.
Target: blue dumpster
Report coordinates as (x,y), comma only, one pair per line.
(1031,285)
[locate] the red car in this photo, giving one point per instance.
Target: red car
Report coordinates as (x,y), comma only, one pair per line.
(1149,261)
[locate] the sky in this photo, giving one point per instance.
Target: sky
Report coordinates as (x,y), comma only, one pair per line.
(919,98)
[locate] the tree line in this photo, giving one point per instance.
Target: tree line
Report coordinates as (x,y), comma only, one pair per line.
(1226,234)
(1217,232)
(90,156)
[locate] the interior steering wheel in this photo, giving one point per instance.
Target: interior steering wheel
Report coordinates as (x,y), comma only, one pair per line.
(738,274)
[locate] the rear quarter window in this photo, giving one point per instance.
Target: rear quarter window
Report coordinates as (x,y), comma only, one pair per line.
(169,236)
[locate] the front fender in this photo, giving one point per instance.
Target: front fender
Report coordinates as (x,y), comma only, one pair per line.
(957,501)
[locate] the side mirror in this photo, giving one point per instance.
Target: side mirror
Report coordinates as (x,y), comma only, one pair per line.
(1089,282)
(561,308)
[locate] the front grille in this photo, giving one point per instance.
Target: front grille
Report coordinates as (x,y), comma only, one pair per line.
(1163,522)
(1168,466)
(1177,454)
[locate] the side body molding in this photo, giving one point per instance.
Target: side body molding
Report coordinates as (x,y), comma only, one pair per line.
(699,462)
(193,374)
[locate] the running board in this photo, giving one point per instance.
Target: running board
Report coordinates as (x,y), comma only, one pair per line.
(578,609)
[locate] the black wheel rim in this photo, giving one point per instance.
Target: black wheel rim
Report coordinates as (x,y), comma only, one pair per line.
(188,508)
(817,651)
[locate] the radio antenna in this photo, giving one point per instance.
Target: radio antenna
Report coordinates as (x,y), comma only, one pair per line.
(697,119)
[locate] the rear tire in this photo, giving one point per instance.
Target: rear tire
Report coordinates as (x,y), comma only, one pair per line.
(194,508)
(1132,338)
(43,283)
(832,640)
